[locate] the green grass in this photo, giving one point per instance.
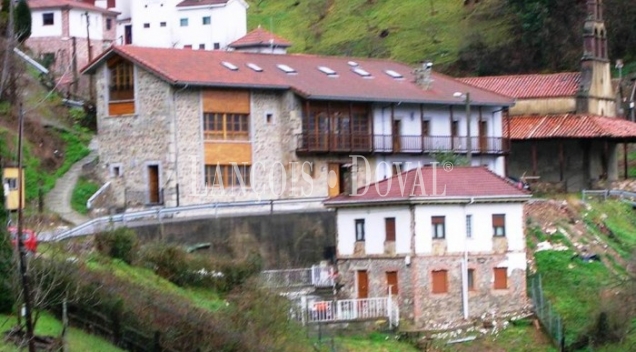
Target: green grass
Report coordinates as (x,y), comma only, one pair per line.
(374,342)
(84,189)
(573,287)
(78,340)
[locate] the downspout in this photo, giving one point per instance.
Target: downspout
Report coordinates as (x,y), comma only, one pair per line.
(175,141)
(465,265)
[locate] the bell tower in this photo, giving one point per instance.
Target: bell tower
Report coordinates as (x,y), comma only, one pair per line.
(595,94)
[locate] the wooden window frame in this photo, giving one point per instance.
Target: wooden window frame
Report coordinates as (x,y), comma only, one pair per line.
(219,126)
(359,230)
(499,225)
(229,177)
(394,288)
(435,289)
(500,281)
(470,279)
(389,237)
(121,87)
(436,223)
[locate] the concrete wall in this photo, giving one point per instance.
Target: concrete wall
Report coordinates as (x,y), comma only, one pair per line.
(285,240)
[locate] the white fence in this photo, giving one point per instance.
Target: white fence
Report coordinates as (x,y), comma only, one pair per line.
(348,310)
(626,196)
(158,215)
(317,276)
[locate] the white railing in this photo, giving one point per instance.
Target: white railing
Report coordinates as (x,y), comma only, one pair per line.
(100,191)
(199,210)
(606,193)
(317,276)
(348,310)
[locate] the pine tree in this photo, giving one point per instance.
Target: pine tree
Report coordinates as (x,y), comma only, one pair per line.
(22,21)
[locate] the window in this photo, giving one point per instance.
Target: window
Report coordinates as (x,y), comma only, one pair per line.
(206,20)
(187,46)
(146,25)
(440,281)
(438,226)
(469,226)
(13,183)
(109,24)
(499,225)
(389,226)
(47,19)
(471,279)
(162,24)
(217,46)
(116,170)
(121,82)
(219,126)
(392,282)
(201,46)
(227,175)
(269,117)
(455,129)
(396,168)
(359,230)
(501,278)
(183,22)
(426,128)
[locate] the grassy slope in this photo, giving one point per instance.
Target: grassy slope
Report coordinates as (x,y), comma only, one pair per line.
(417,29)
(78,340)
(83,190)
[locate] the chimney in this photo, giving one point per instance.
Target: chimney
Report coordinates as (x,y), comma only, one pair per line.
(423,75)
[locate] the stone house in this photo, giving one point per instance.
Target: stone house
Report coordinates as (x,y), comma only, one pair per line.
(173,123)
(449,243)
(562,126)
(68,35)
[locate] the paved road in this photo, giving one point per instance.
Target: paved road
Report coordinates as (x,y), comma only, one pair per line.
(58,200)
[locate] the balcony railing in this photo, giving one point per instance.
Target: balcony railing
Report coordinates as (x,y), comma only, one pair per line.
(347,310)
(332,142)
(317,276)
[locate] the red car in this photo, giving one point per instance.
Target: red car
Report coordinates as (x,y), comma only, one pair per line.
(29,238)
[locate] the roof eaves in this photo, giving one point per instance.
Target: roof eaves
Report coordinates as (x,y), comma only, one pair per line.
(407,101)
(231,85)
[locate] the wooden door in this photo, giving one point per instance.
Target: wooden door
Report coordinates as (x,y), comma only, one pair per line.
(389,228)
(483,139)
(396,136)
(392,282)
(153,184)
(128,34)
(363,284)
(333,179)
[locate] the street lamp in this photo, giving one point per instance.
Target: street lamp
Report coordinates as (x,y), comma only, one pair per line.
(469,147)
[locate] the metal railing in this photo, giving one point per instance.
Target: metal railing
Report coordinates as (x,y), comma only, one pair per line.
(199,210)
(386,143)
(317,276)
(100,192)
(608,193)
(549,318)
(349,310)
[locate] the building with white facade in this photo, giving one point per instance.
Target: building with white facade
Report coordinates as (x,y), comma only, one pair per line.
(449,243)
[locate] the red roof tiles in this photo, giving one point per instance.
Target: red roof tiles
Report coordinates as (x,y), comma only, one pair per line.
(204,68)
(188,3)
(429,183)
(564,84)
(260,37)
(51,4)
(570,126)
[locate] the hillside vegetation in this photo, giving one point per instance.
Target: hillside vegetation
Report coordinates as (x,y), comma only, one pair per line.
(461,37)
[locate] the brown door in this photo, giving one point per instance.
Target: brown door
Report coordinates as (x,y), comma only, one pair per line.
(392,282)
(483,139)
(333,179)
(389,228)
(128,34)
(153,184)
(396,136)
(363,284)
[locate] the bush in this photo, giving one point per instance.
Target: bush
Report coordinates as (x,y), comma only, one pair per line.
(167,261)
(6,272)
(120,243)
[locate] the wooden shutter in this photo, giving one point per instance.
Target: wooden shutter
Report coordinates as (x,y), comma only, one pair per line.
(498,220)
(389,225)
(392,282)
(437,219)
(440,281)
(501,278)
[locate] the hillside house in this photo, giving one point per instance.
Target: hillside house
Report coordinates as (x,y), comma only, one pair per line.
(562,125)
(172,122)
(448,243)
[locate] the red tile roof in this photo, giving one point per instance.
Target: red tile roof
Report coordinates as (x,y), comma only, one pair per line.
(204,68)
(570,126)
(439,185)
(51,4)
(188,3)
(564,84)
(260,37)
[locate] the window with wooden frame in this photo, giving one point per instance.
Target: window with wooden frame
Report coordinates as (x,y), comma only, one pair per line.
(455,129)
(389,228)
(440,281)
(227,175)
(359,230)
(499,225)
(222,126)
(392,282)
(470,278)
(439,228)
(426,128)
(501,278)
(121,87)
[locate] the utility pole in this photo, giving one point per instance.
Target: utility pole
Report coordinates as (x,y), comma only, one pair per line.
(8,50)
(90,53)
(74,64)
(21,250)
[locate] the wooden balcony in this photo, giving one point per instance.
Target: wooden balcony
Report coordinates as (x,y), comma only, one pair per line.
(325,142)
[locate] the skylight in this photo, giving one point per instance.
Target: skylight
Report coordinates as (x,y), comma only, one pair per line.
(286,68)
(352,63)
(362,72)
(255,67)
(229,66)
(394,74)
(326,70)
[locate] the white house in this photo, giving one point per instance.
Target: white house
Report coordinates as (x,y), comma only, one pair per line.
(448,242)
